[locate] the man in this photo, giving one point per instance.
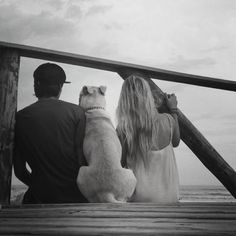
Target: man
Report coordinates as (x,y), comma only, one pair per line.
(49,138)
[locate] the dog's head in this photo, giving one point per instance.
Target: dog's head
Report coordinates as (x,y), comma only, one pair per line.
(91,96)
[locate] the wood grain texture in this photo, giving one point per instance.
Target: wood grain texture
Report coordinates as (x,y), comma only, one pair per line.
(117,66)
(9,68)
(120,219)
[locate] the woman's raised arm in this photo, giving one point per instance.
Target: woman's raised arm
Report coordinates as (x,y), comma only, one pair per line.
(171,102)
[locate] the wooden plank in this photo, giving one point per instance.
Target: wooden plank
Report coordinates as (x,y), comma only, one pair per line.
(190,211)
(87,221)
(9,68)
(199,145)
(116,66)
(124,215)
(220,207)
(73,212)
(117,219)
(118,223)
(181,206)
(161,230)
(218,213)
(135,205)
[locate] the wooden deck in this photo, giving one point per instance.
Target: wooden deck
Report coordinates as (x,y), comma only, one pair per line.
(120,219)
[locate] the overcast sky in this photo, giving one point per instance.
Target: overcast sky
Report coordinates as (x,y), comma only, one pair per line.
(191,36)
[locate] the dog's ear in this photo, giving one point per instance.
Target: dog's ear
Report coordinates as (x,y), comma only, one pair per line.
(87,90)
(102,89)
(84,90)
(90,89)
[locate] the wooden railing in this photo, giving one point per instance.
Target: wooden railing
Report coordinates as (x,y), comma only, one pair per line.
(9,69)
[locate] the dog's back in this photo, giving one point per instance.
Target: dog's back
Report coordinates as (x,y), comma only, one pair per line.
(100,138)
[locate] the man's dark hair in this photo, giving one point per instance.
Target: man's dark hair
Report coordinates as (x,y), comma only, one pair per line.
(48,80)
(42,90)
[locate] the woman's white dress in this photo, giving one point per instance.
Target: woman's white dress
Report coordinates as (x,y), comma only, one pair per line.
(159,181)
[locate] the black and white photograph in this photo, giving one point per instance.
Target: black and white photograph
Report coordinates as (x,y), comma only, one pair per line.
(117,117)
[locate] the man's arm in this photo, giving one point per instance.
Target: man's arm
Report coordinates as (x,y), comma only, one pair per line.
(20,169)
(79,139)
(19,161)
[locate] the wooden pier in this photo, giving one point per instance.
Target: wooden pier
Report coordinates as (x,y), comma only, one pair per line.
(185,218)
(120,219)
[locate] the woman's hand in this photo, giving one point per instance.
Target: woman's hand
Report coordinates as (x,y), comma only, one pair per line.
(171,101)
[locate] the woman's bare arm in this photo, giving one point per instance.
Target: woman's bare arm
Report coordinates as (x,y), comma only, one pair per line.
(124,150)
(176,132)
(171,102)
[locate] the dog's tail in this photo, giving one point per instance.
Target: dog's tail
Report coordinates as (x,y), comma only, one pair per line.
(109,198)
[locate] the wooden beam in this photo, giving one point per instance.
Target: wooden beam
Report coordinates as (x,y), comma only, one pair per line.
(116,66)
(9,68)
(199,145)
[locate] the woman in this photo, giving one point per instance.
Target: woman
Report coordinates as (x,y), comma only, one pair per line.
(147,139)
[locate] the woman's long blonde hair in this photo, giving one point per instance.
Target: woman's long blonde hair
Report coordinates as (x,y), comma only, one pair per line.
(136,119)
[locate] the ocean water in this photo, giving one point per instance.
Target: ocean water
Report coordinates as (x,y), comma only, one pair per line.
(188,193)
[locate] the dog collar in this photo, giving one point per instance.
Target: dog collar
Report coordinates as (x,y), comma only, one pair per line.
(92,108)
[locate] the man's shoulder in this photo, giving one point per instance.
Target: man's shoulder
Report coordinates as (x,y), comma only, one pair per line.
(70,105)
(26,109)
(56,104)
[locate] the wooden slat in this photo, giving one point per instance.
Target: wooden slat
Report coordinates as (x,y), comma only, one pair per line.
(125,207)
(120,219)
(128,206)
(124,212)
(96,222)
(116,66)
(166,225)
(118,214)
(161,229)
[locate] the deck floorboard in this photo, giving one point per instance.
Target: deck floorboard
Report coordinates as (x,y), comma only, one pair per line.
(185,218)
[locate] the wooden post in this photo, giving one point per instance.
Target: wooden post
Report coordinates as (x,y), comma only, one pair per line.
(9,68)
(196,142)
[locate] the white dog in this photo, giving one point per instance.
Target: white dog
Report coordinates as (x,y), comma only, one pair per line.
(104,179)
